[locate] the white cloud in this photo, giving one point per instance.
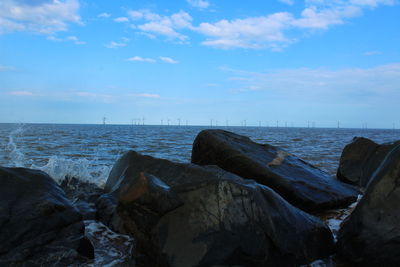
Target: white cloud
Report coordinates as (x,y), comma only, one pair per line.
(104,15)
(121,19)
(199,3)
(73,39)
(124,42)
(21,93)
(167,26)
(141,59)
(287,2)
(255,32)
(273,31)
(115,45)
(168,60)
(42,17)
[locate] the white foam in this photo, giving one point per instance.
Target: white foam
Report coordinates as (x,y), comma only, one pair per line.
(58,167)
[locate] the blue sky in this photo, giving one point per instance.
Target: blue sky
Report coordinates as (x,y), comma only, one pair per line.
(75,61)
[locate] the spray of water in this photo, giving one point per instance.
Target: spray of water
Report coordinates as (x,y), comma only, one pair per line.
(57,167)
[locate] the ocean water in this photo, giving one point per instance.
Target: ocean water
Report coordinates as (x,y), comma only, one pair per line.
(89,151)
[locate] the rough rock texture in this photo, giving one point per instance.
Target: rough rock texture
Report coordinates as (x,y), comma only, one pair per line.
(360,159)
(371,235)
(300,183)
(38,225)
(224,219)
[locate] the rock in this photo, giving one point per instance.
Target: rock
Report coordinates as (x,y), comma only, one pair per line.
(360,159)
(83,195)
(224,219)
(38,225)
(110,249)
(300,183)
(370,236)
(136,205)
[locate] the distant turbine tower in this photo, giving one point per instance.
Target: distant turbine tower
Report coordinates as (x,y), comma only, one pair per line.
(179,122)
(104,120)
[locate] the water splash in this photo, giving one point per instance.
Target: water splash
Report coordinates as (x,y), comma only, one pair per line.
(57,167)
(85,170)
(17,158)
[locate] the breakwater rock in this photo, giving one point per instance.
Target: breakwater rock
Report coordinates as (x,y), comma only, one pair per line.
(208,216)
(299,182)
(360,159)
(39,226)
(371,235)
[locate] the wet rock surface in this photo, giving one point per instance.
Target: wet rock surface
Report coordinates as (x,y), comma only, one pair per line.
(300,183)
(39,226)
(110,249)
(360,159)
(371,235)
(208,216)
(83,195)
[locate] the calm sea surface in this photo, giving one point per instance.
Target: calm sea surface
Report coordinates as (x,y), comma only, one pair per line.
(89,151)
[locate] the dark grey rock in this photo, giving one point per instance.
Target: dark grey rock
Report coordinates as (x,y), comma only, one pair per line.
(300,183)
(371,235)
(224,219)
(38,225)
(360,159)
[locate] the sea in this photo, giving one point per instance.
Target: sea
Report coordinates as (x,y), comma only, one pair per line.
(88,152)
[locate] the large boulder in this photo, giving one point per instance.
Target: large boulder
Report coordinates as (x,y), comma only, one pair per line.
(205,216)
(39,226)
(360,159)
(371,235)
(300,183)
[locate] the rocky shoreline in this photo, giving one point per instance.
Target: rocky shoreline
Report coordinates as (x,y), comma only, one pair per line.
(238,203)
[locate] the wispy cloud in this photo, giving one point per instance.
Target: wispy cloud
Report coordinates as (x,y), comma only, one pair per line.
(168,60)
(350,84)
(115,45)
(124,41)
(6,68)
(199,3)
(104,15)
(287,2)
(372,53)
(145,95)
(71,38)
(43,17)
(21,93)
(142,59)
(121,19)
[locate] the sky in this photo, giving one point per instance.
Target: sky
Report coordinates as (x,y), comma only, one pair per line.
(225,62)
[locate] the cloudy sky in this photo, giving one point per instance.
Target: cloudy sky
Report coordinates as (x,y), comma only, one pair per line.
(75,61)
